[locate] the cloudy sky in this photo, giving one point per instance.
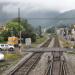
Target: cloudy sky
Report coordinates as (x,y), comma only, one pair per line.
(34,8)
(28,6)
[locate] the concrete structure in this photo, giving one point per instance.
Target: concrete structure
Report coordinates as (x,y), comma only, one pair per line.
(73,33)
(60,31)
(49,49)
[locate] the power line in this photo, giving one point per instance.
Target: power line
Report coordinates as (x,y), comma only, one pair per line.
(31,18)
(50,18)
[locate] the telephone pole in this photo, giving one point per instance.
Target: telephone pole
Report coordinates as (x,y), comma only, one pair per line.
(19,21)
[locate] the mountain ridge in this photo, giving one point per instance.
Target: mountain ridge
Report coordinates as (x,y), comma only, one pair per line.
(43,18)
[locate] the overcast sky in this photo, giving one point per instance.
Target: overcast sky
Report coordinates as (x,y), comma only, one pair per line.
(28,6)
(34,8)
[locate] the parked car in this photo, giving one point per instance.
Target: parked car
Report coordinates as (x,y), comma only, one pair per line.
(6,47)
(1,57)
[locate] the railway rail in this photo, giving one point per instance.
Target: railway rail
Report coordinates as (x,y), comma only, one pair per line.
(56,63)
(28,65)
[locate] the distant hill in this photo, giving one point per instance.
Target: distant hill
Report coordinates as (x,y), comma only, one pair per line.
(35,18)
(43,18)
(56,18)
(67,18)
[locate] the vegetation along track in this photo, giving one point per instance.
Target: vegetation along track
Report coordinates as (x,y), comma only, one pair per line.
(56,63)
(28,65)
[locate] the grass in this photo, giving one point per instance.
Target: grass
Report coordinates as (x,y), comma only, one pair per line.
(66,43)
(3,66)
(72,52)
(10,60)
(11,56)
(3,63)
(39,40)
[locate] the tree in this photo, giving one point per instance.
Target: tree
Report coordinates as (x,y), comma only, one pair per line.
(26,26)
(40,31)
(13,27)
(51,30)
(29,35)
(5,34)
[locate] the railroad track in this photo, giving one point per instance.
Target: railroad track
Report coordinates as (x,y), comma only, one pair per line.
(56,60)
(28,65)
(56,63)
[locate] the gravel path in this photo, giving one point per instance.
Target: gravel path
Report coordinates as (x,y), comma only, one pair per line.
(41,66)
(70,58)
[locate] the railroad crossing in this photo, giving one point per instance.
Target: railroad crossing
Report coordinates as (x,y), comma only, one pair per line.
(49,49)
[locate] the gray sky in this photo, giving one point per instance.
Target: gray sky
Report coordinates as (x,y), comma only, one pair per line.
(35,8)
(29,6)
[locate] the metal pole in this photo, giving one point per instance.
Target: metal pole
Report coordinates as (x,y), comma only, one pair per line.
(20,27)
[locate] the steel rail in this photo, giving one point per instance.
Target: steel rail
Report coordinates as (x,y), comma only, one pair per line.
(28,65)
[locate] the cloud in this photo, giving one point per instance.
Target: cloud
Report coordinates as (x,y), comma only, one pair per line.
(29,6)
(34,8)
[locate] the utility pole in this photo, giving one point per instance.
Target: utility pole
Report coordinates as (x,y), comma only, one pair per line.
(19,21)
(40,31)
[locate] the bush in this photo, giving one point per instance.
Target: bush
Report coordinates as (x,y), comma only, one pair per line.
(74,46)
(3,39)
(66,45)
(33,37)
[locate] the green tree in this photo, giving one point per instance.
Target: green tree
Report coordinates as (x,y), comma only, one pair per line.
(5,34)
(26,25)
(51,30)
(13,27)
